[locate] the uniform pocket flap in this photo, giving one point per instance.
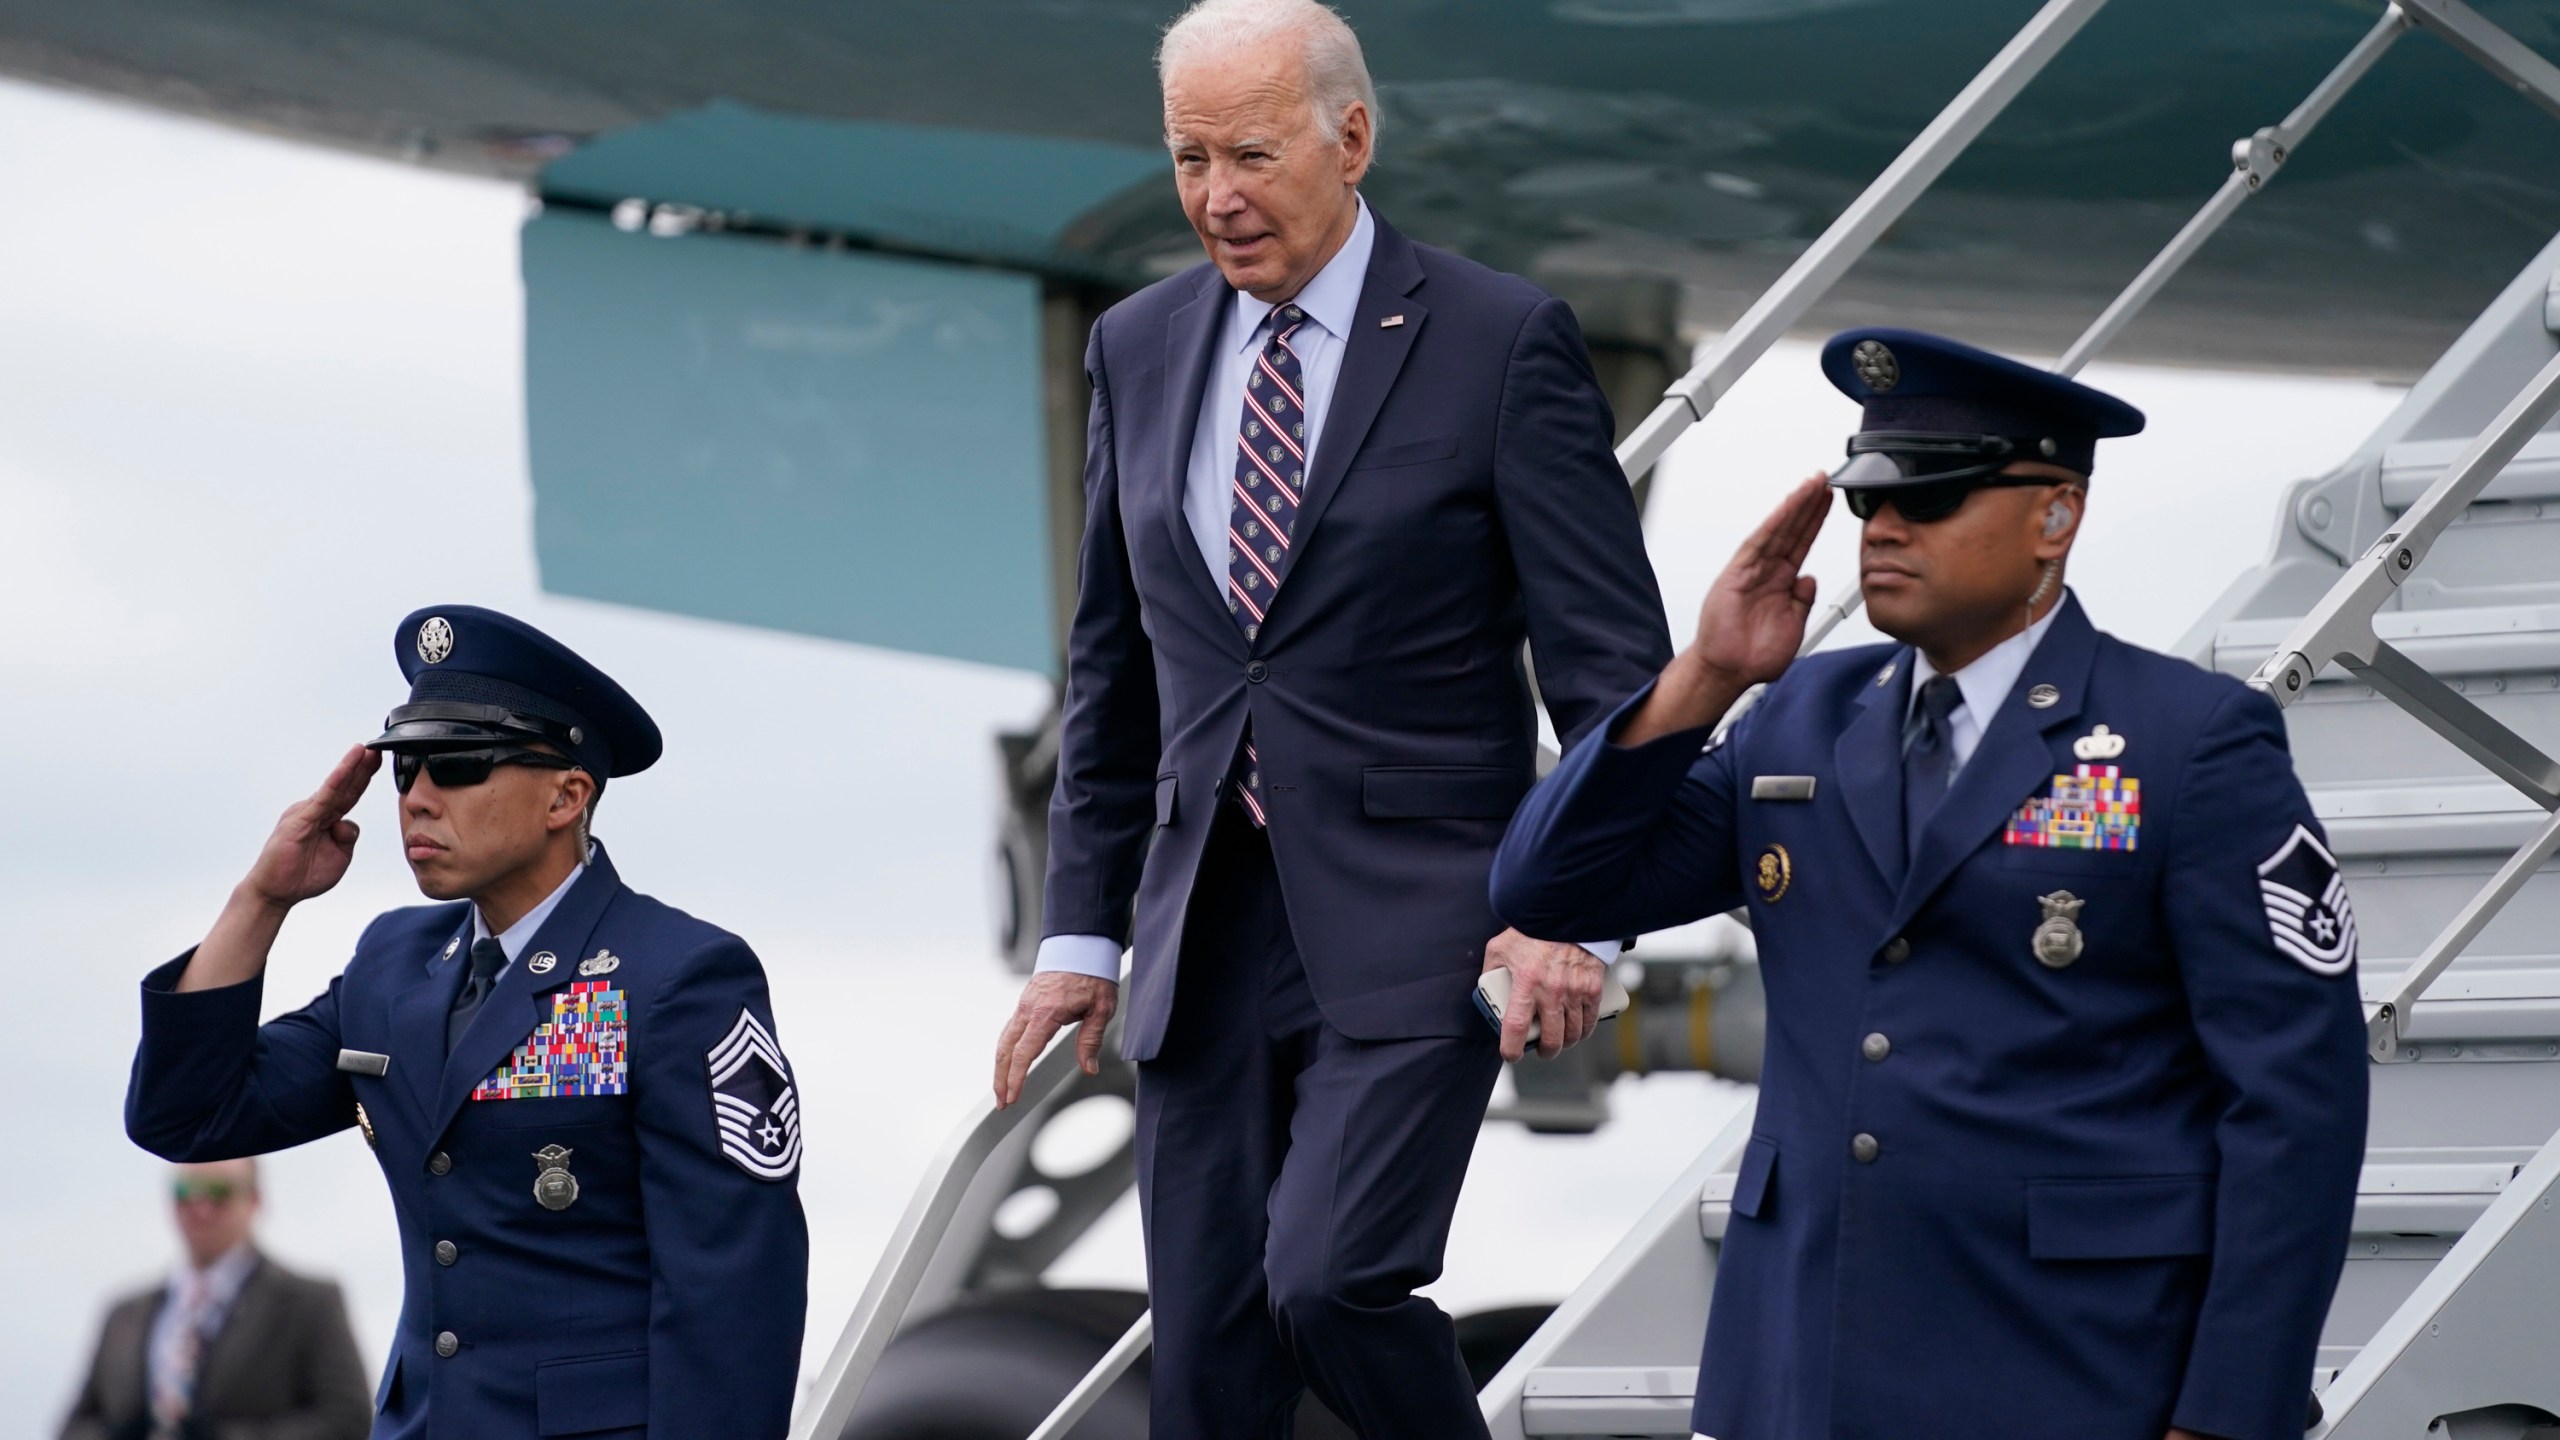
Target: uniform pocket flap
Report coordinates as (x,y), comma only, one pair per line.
(1416,792)
(1166,786)
(2138,1219)
(1751,1184)
(593,1392)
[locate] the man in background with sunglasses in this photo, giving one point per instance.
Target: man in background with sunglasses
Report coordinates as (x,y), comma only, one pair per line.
(232,1346)
(591,1135)
(2065,1093)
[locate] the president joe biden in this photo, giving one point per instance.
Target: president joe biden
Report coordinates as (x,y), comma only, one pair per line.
(1334,480)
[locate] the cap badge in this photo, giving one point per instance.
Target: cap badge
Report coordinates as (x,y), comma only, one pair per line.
(541,963)
(2099,744)
(1875,365)
(2043,697)
(603,962)
(435,640)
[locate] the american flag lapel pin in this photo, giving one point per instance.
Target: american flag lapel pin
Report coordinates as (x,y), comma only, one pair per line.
(1391,322)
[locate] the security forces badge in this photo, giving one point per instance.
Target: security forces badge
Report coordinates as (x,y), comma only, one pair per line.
(753,1102)
(2307,909)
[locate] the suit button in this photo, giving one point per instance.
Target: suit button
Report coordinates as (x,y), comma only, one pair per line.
(1865,1148)
(1897,951)
(439,1164)
(447,1342)
(447,1252)
(1876,1046)
(1257,672)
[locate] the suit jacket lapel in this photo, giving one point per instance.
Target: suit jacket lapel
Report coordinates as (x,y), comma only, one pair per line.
(1190,340)
(1372,357)
(2013,761)
(418,1015)
(1868,759)
(521,997)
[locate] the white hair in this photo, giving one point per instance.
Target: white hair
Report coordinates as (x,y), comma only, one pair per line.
(1337,74)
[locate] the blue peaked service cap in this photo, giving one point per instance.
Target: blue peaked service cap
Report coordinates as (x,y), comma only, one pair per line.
(477,677)
(1917,384)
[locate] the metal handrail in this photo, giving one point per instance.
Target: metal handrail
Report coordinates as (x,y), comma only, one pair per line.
(1115,1362)
(2340,629)
(2254,162)
(901,1270)
(1849,237)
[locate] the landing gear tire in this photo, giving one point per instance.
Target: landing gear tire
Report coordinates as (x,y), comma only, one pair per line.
(993,1368)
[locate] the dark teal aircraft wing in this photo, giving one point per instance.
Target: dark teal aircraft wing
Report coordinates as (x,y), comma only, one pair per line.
(807,288)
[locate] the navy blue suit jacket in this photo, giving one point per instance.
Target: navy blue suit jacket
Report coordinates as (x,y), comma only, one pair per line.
(1464,499)
(667,1299)
(2103,1198)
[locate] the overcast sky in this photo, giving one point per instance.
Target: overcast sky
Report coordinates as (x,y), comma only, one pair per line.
(257,401)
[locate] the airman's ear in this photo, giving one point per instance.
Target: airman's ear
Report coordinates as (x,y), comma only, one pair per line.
(2060,524)
(576,790)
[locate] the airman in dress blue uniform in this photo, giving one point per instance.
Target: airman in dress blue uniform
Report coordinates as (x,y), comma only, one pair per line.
(2064,1100)
(591,1135)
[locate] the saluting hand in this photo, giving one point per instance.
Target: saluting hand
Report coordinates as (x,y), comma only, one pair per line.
(314,842)
(1753,617)
(307,854)
(1054,1000)
(1749,626)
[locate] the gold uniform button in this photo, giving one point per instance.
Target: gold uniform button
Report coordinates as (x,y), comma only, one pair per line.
(439,1164)
(447,1252)
(446,1343)
(1865,1148)
(1876,1046)
(1897,951)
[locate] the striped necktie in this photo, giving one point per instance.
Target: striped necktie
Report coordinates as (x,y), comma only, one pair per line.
(1269,485)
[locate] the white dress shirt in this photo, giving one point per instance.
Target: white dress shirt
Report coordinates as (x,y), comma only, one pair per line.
(1331,302)
(1985,684)
(515,937)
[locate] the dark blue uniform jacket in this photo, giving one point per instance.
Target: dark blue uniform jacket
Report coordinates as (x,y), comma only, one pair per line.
(665,1300)
(2099,1199)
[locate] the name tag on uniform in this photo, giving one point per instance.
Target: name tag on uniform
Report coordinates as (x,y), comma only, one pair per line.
(364,1062)
(1781,787)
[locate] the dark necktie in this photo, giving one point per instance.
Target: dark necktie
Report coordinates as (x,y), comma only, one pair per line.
(1269,484)
(488,957)
(1928,756)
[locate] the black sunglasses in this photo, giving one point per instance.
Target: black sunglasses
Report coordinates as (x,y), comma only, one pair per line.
(1927,500)
(457,769)
(1926,477)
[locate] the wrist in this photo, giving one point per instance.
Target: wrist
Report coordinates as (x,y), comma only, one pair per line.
(1690,694)
(248,902)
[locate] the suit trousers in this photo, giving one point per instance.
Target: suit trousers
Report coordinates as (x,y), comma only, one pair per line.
(1296,1185)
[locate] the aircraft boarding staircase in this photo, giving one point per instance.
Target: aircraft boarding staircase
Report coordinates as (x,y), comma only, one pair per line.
(2409,621)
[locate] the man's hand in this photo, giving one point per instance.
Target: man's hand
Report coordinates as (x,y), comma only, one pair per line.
(1053,1001)
(307,855)
(313,844)
(1749,626)
(1557,985)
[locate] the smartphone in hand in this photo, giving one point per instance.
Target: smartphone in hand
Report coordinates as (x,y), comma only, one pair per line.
(1493,997)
